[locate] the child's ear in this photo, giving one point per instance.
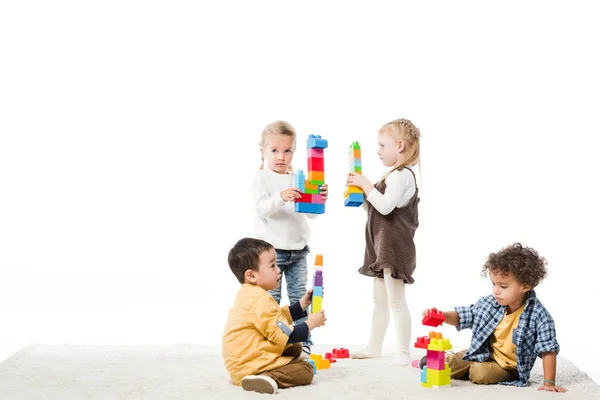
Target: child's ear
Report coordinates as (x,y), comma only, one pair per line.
(526,288)
(401,145)
(250,276)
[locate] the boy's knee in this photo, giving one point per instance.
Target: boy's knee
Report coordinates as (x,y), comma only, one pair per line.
(307,373)
(482,374)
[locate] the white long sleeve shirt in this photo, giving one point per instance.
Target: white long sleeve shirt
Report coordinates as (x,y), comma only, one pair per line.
(276,221)
(400,188)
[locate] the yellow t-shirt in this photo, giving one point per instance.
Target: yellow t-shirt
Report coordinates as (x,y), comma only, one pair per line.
(504,350)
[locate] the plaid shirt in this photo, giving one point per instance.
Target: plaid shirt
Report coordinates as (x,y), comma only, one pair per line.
(534,335)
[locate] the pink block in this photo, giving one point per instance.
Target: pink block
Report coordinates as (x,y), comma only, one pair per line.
(316,153)
(435,360)
(317,199)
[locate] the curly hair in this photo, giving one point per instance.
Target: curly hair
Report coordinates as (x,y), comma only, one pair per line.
(524,263)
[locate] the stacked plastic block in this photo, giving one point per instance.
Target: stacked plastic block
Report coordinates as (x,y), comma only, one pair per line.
(311,201)
(353,196)
(436,373)
(317,295)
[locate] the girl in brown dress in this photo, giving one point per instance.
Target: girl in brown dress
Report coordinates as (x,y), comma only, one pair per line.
(392,209)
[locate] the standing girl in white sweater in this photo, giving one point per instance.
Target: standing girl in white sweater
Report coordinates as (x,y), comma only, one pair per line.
(276,222)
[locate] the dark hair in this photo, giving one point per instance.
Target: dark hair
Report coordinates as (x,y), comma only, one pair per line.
(245,255)
(523,262)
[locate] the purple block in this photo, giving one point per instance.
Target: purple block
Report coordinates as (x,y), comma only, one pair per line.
(435,360)
(318,281)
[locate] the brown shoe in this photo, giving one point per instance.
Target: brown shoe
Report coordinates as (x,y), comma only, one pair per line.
(260,384)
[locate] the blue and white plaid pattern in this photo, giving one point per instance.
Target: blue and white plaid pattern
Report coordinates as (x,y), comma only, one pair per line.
(534,335)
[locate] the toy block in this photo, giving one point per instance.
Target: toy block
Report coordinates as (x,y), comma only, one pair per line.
(424,375)
(318,278)
(312,362)
(341,353)
(439,344)
(438,377)
(318,291)
(316,164)
(316,176)
(433,318)
(415,363)
(315,153)
(435,335)
(319,259)
(352,189)
(316,357)
(330,357)
(299,180)
(358,170)
(355,145)
(323,364)
(310,198)
(315,141)
(422,342)
(317,302)
(309,208)
(355,163)
(311,189)
(436,359)
(354,200)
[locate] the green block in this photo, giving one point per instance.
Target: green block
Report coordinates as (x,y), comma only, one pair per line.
(316,182)
(355,146)
(311,191)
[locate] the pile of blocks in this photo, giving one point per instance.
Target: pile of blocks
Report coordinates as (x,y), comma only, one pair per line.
(436,374)
(320,362)
(311,200)
(353,196)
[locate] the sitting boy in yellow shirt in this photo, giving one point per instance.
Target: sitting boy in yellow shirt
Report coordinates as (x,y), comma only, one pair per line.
(261,346)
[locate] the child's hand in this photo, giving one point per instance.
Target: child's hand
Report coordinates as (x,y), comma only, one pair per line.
(324,191)
(358,180)
(551,388)
(316,320)
(306,300)
(290,194)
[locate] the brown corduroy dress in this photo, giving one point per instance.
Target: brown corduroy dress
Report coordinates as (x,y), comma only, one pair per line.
(390,239)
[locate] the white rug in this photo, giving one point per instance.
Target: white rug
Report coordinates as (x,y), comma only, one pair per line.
(194,372)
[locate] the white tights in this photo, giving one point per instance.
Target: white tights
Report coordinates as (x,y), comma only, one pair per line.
(388,294)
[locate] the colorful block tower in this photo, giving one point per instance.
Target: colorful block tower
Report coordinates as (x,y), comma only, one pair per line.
(353,196)
(437,372)
(317,296)
(311,201)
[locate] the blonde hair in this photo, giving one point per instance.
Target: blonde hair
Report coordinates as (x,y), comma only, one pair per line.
(276,128)
(405,130)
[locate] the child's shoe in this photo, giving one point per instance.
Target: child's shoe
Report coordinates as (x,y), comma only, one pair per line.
(305,352)
(260,384)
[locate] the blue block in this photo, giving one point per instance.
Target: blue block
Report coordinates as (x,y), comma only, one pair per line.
(315,141)
(299,180)
(424,375)
(309,208)
(356,163)
(354,200)
(318,291)
(312,362)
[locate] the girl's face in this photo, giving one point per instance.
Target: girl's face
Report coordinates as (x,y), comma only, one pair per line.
(390,149)
(278,153)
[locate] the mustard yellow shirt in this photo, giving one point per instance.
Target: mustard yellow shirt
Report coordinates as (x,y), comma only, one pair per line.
(504,351)
(252,341)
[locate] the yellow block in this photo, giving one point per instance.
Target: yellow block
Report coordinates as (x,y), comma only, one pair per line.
(439,344)
(322,364)
(352,189)
(438,378)
(316,357)
(316,304)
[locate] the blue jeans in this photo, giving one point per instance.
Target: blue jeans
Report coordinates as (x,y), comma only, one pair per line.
(294,267)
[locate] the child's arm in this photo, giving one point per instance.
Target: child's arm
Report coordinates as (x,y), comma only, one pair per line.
(549,365)
(397,184)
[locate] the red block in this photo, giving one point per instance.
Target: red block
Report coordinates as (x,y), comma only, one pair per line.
(341,353)
(422,342)
(316,164)
(433,318)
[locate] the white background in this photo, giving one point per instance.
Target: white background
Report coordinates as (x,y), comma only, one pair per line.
(129,135)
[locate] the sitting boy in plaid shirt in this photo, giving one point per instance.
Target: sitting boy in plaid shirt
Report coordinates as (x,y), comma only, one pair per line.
(510,327)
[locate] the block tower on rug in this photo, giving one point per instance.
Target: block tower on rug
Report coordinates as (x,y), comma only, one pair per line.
(317,296)
(311,201)
(436,374)
(353,196)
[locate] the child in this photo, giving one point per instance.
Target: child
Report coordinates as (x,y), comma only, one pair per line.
(511,327)
(260,345)
(275,221)
(392,207)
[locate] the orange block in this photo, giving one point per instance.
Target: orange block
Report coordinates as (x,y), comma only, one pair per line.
(316,175)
